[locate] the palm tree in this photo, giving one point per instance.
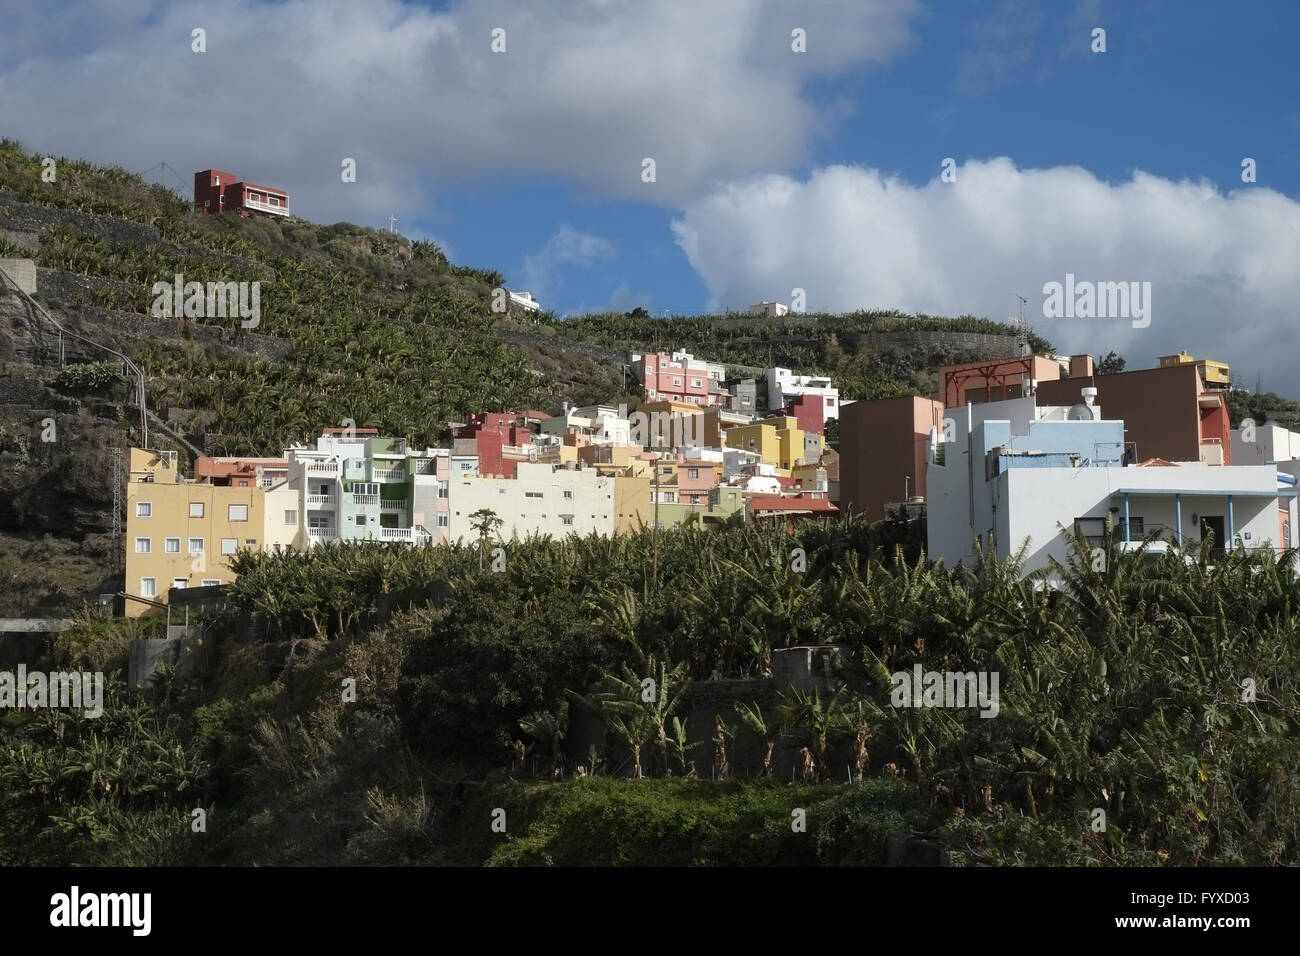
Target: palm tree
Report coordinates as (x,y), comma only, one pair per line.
(485,522)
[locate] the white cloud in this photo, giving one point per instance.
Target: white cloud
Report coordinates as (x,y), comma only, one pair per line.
(585,90)
(1222,266)
(567,247)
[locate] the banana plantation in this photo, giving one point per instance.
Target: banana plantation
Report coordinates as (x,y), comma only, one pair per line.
(1147,711)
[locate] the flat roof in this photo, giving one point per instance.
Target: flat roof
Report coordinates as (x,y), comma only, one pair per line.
(1205,492)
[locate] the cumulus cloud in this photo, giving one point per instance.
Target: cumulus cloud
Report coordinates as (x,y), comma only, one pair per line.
(1222,267)
(568,247)
(584,90)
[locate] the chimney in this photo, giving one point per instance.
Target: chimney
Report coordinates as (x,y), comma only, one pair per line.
(1081,366)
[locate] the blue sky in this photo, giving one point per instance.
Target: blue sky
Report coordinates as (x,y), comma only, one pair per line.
(776,170)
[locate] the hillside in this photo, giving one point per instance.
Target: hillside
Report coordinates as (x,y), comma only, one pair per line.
(355,323)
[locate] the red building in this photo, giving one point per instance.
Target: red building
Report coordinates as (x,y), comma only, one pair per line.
(809,411)
(216,191)
(500,438)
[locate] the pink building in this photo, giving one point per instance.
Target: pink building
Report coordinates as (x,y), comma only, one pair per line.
(679,377)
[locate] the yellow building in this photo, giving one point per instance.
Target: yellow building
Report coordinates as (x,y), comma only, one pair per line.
(183,533)
(632,507)
(1212,373)
(779,442)
(666,423)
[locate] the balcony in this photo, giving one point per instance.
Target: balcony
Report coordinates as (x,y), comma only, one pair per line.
(416,535)
(323,468)
(320,533)
(360,499)
(1211,451)
(390,474)
(320,501)
(282,210)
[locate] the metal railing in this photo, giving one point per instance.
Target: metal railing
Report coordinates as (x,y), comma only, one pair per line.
(266,206)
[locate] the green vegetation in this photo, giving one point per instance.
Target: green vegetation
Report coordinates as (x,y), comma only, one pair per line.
(1122,691)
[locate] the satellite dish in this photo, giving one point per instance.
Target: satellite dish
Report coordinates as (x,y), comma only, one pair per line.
(1080,413)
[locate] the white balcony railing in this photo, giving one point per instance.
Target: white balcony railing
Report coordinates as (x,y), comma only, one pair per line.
(323,468)
(319,533)
(327,500)
(414,535)
(360,499)
(267,207)
(390,474)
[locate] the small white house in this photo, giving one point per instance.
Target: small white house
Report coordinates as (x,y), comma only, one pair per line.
(525,300)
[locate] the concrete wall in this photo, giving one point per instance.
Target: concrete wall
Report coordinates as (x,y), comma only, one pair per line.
(20,271)
(590,502)
(1272,443)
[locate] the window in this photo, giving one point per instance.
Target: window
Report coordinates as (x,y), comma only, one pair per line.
(196,509)
(442,489)
(290,516)
(211,582)
(649,369)
(692,473)
(361,521)
(180,583)
(501,490)
(144,509)
(663,363)
(196,545)
(148,587)
(237,513)
(251,542)
(668,497)
(677,380)
(567,519)
(143,545)
(172,545)
(667,471)
(568,494)
(442,519)
(229,545)
(697,383)
(532,494)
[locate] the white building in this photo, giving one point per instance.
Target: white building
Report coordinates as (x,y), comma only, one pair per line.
(603,424)
(784,385)
(1269,444)
(1016,474)
(525,300)
(768,308)
(540,499)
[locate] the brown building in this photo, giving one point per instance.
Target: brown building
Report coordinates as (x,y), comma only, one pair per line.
(1168,412)
(995,380)
(883,451)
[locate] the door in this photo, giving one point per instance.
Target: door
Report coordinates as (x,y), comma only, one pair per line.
(1213,525)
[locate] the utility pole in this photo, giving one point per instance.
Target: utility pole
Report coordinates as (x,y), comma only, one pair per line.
(391,221)
(655,575)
